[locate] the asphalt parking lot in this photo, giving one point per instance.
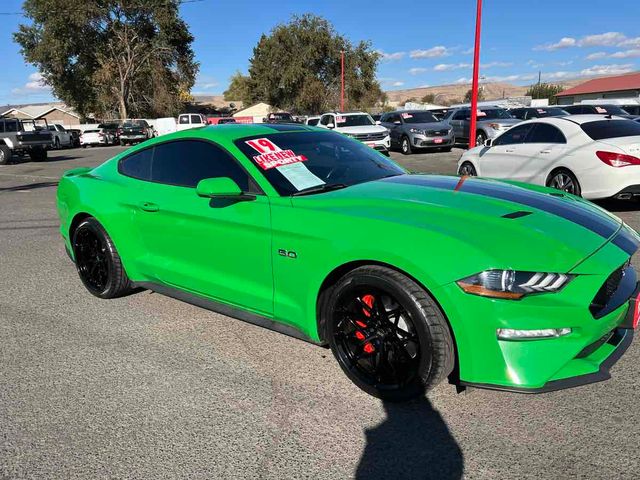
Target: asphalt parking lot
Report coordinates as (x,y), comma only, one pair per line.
(148,387)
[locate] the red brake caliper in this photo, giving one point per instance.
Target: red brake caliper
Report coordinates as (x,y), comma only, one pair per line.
(368,301)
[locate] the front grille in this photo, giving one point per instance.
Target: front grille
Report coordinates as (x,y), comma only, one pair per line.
(606,291)
(437,132)
(363,137)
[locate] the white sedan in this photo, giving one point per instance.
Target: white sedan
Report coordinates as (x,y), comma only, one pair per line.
(593,156)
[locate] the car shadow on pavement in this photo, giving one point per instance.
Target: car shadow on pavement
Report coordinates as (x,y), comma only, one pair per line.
(613,205)
(28,186)
(413,442)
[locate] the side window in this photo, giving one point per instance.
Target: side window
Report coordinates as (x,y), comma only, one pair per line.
(184,119)
(461,115)
(513,135)
(196,119)
(185,163)
(11,126)
(545,133)
(383,118)
(1,126)
(137,165)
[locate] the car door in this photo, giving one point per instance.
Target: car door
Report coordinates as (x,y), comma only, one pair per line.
(220,248)
(505,158)
(394,125)
(544,146)
(460,124)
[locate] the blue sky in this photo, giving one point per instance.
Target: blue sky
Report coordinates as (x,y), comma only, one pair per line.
(423,43)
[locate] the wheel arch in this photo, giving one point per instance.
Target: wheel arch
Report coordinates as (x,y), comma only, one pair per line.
(341,270)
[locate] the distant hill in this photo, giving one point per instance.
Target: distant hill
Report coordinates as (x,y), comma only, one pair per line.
(454,93)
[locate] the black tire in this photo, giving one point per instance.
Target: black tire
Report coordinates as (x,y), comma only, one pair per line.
(122,143)
(480,138)
(467,170)
(5,154)
(564,180)
(411,353)
(97,261)
(56,144)
(38,155)
(405,145)
(84,146)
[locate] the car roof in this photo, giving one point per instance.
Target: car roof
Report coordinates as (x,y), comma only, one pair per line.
(234,131)
(574,119)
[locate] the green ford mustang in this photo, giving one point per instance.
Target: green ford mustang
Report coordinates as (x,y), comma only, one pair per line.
(408,278)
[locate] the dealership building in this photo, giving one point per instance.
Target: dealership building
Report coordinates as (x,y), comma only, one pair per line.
(620,86)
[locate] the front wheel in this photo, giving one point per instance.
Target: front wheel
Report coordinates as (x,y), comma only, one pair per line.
(565,181)
(405,146)
(387,333)
(480,138)
(467,170)
(5,154)
(97,261)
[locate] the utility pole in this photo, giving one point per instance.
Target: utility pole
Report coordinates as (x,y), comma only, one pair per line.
(539,76)
(342,81)
(474,85)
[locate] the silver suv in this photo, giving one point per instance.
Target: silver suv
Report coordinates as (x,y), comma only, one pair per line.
(20,137)
(418,129)
(491,122)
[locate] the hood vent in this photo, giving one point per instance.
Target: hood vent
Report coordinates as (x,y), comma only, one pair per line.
(518,214)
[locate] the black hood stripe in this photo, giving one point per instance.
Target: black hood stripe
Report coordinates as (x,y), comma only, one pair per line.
(598,223)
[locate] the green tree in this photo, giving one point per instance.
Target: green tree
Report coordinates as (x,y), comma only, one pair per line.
(428,98)
(467,96)
(545,90)
(239,89)
(297,67)
(105,56)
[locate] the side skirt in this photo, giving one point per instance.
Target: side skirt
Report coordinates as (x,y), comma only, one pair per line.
(227,310)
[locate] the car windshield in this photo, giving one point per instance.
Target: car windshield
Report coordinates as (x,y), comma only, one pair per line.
(281,116)
(601,129)
(611,110)
(91,131)
(418,117)
(551,112)
(297,161)
(353,120)
(493,113)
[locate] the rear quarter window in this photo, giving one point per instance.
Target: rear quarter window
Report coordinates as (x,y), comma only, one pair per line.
(137,165)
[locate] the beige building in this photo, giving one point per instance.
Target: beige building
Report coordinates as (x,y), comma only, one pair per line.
(257,111)
(52,112)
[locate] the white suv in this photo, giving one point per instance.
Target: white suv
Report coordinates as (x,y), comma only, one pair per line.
(358,125)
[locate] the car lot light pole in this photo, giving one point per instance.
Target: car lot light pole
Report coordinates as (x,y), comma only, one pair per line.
(474,84)
(342,80)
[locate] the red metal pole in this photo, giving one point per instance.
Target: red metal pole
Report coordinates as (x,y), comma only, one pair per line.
(342,81)
(474,85)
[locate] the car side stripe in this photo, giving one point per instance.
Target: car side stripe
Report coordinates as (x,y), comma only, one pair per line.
(626,240)
(596,222)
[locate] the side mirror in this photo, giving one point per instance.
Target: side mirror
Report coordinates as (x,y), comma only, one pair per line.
(378,122)
(330,125)
(222,187)
(488,142)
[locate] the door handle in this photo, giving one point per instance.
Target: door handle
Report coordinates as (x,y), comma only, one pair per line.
(509,150)
(148,207)
(545,151)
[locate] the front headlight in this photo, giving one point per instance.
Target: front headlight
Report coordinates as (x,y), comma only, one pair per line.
(510,284)
(418,131)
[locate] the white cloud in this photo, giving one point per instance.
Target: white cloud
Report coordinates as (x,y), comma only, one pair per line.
(391,82)
(434,52)
(534,64)
(35,85)
(390,56)
(596,56)
(397,84)
(205,84)
(609,39)
(613,69)
(630,42)
(468,51)
(445,67)
(495,64)
(416,71)
(564,42)
(620,54)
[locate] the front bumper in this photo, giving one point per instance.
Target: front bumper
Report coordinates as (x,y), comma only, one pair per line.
(422,141)
(541,365)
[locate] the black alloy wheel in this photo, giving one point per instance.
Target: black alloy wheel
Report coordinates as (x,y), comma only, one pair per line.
(387,334)
(565,181)
(97,261)
(467,170)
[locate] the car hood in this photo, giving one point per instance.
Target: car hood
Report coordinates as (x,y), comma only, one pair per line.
(481,223)
(429,126)
(361,129)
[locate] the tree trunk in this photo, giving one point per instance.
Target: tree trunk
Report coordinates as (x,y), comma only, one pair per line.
(122,107)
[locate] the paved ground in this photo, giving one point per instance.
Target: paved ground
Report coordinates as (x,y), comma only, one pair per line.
(148,387)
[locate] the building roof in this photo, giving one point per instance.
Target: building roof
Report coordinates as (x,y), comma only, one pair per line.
(630,81)
(257,110)
(36,111)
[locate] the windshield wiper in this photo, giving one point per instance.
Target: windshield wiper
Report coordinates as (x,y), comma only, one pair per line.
(327,187)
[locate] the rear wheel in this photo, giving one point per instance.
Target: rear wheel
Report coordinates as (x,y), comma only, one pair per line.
(387,333)
(56,144)
(97,261)
(405,145)
(562,179)
(5,154)
(467,170)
